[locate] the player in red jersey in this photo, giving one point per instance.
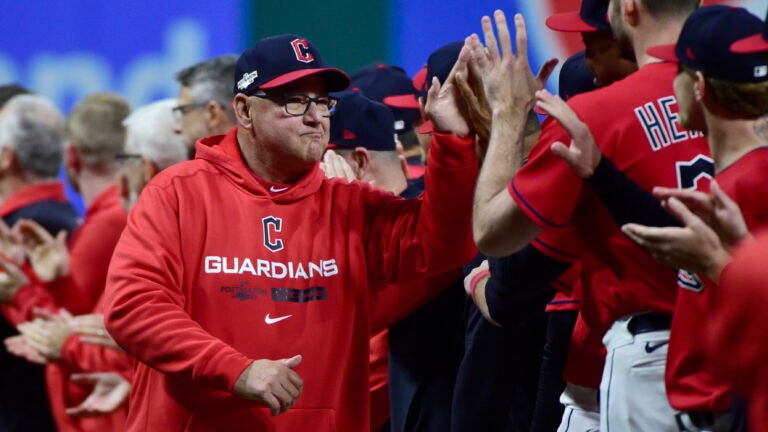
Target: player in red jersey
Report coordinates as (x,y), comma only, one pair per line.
(626,292)
(245,280)
(726,103)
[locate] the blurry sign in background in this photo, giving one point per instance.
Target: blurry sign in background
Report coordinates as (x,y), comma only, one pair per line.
(66,49)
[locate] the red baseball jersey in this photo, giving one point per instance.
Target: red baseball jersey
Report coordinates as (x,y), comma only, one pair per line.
(694,382)
(738,327)
(635,123)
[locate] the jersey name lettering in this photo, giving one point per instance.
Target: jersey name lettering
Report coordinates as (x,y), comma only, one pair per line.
(662,124)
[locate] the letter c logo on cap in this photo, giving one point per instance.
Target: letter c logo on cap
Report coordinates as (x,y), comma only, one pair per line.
(301,49)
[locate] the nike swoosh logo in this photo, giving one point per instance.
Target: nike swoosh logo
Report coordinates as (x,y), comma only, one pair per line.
(269,320)
(649,348)
(276,190)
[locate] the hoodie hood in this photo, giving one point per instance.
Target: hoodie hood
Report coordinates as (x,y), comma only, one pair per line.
(223,153)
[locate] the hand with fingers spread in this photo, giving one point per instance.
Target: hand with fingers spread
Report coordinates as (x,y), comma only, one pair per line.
(335,165)
(694,247)
(479,112)
(717,210)
(12,279)
(583,155)
(507,76)
(47,254)
(18,346)
(445,106)
(273,382)
(46,336)
(110,391)
(11,244)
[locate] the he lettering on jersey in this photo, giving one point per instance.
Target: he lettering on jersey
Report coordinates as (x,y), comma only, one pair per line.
(661,124)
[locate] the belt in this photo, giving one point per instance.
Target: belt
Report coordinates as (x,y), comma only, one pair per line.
(649,322)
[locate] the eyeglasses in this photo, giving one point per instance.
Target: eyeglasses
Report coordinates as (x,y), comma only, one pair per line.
(182,110)
(123,156)
(297,105)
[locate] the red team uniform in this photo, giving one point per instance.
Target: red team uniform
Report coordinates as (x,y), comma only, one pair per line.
(635,124)
(214,271)
(694,381)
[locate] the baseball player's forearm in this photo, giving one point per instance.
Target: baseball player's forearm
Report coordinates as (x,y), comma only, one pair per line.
(626,200)
(519,282)
(499,226)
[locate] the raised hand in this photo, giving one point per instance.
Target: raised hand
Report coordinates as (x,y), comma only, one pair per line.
(110,390)
(47,337)
(17,346)
(717,210)
(335,165)
(507,77)
(48,255)
(273,382)
(444,105)
(11,279)
(694,247)
(583,155)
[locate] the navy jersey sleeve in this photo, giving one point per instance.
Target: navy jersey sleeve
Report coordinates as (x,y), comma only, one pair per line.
(519,283)
(625,200)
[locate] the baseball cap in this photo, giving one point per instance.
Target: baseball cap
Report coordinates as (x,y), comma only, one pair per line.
(279,60)
(592,16)
(705,41)
(383,83)
(754,43)
(575,77)
(439,64)
(361,122)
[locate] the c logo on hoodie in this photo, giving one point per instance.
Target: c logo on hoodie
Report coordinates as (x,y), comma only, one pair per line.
(271,223)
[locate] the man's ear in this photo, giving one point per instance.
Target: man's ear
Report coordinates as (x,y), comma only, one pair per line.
(242,110)
(149,169)
(700,87)
(215,117)
(629,10)
(362,158)
(7,158)
(71,157)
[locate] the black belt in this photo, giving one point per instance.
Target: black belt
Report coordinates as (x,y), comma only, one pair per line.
(649,322)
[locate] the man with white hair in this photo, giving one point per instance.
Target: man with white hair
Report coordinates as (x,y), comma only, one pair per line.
(31,149)
(152,146)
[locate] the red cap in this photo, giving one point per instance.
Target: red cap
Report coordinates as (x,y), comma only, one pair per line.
(569,22)
(664,52)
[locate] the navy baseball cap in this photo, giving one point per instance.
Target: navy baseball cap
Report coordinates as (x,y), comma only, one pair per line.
(754,43)
(382,83)
(705,41)
(575,77)
(361,122)
(279,60)
(439,64)
(592,16)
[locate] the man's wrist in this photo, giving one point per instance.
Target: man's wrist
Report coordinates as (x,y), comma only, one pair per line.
(479,276)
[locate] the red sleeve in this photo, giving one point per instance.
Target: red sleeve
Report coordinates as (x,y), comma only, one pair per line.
(89,254)
(79,356)
(396,302)
(28,297)
(411,239)
(145,304)
(545,188)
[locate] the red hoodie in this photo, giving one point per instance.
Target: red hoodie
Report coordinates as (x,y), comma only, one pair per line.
(213,271)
